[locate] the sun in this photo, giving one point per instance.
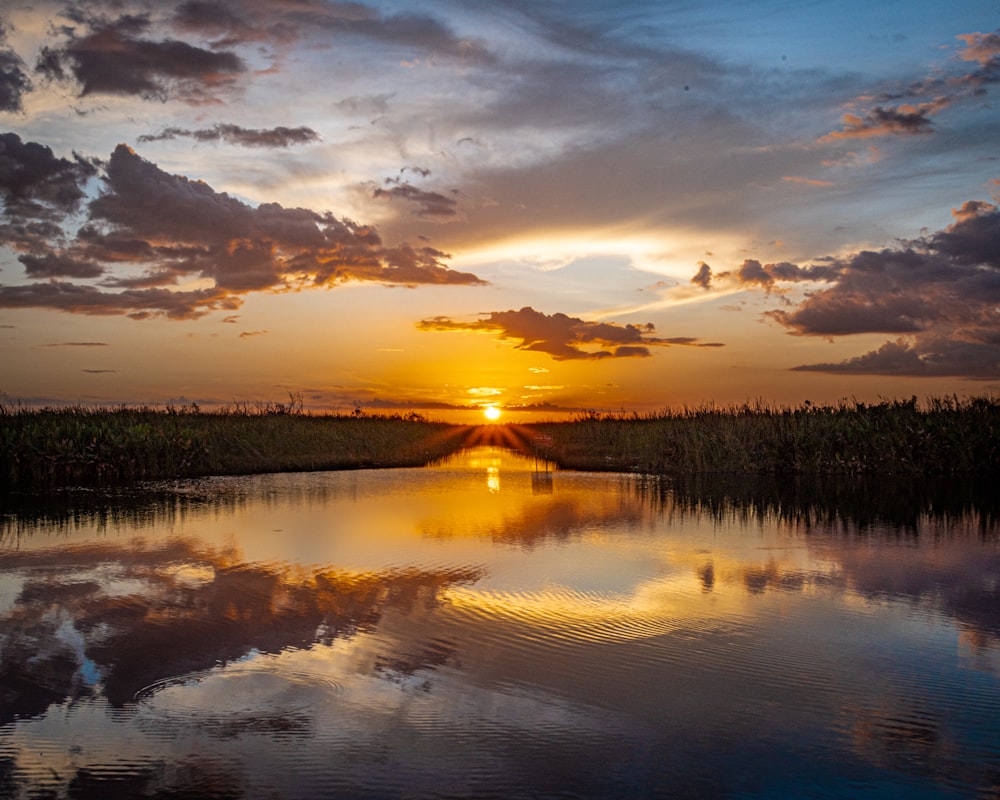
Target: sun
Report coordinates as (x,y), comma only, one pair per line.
(492,413)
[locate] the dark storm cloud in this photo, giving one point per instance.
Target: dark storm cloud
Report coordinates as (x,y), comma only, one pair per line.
(171,228)
(14,81)
(938,294)
(119,57)
(245,137)
(561,336)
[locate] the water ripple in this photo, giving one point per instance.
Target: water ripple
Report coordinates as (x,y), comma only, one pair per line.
(248,698)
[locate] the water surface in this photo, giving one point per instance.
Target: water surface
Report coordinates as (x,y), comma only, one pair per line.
(485,628)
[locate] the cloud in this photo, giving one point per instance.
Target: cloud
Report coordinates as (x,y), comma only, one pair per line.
(924,357)
(806,181)
(35,184)
(365,105)
(950,279)
(171,228)
(245,137)
(974,238)
(137,304)
(53,265)
(766,276)
(427,204)
(76,344)
(561,336)
(913,116)
(249,334)
(703,277)
(938,294)
(14,81)
(881,121)
(983,49)
(115,57)
(921,360)
(98,371)
(248,21)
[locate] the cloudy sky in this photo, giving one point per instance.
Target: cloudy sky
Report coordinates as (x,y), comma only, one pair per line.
(549,206)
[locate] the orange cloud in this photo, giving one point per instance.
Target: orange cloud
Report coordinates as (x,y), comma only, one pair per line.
(883,121)
(805,181)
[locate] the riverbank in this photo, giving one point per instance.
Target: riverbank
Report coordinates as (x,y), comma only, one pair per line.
(43,450)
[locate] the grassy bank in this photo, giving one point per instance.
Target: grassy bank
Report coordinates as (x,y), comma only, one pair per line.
(51,448)
(940,437)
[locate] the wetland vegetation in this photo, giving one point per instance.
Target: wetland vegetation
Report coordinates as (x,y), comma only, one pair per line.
(943,436)
(51,448)
(45,449)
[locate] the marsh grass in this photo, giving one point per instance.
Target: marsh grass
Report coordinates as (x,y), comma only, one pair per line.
(944,436)
(41,450)
(50,448)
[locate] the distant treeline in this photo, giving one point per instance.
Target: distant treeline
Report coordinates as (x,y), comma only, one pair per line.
(944,436)
(46,449)
(53,448)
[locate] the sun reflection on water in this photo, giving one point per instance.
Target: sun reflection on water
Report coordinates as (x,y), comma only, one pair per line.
(358,627)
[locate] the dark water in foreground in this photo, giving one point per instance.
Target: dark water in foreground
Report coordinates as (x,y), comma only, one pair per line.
(476,629)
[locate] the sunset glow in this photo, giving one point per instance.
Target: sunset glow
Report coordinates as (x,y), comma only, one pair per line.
(492,413)
(634,206)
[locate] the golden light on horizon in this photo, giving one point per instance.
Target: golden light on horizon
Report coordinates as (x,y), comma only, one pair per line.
(492,413)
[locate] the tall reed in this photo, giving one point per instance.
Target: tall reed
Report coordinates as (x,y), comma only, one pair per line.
(49,448)
(944,436)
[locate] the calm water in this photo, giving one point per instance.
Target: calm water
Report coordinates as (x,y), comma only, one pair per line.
(478,629)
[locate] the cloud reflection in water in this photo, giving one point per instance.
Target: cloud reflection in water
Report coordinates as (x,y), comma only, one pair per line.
(372,631)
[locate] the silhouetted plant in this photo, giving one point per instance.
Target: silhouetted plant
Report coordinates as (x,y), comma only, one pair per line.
(945,436)
(51,448)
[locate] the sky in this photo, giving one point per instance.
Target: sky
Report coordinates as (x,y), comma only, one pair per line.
(551,207)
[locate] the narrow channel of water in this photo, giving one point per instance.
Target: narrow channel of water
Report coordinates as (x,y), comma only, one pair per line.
(488,628)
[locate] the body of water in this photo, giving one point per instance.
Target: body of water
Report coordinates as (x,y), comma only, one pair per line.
(486,628)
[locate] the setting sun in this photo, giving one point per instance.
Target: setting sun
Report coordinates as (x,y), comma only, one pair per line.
(492,413)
